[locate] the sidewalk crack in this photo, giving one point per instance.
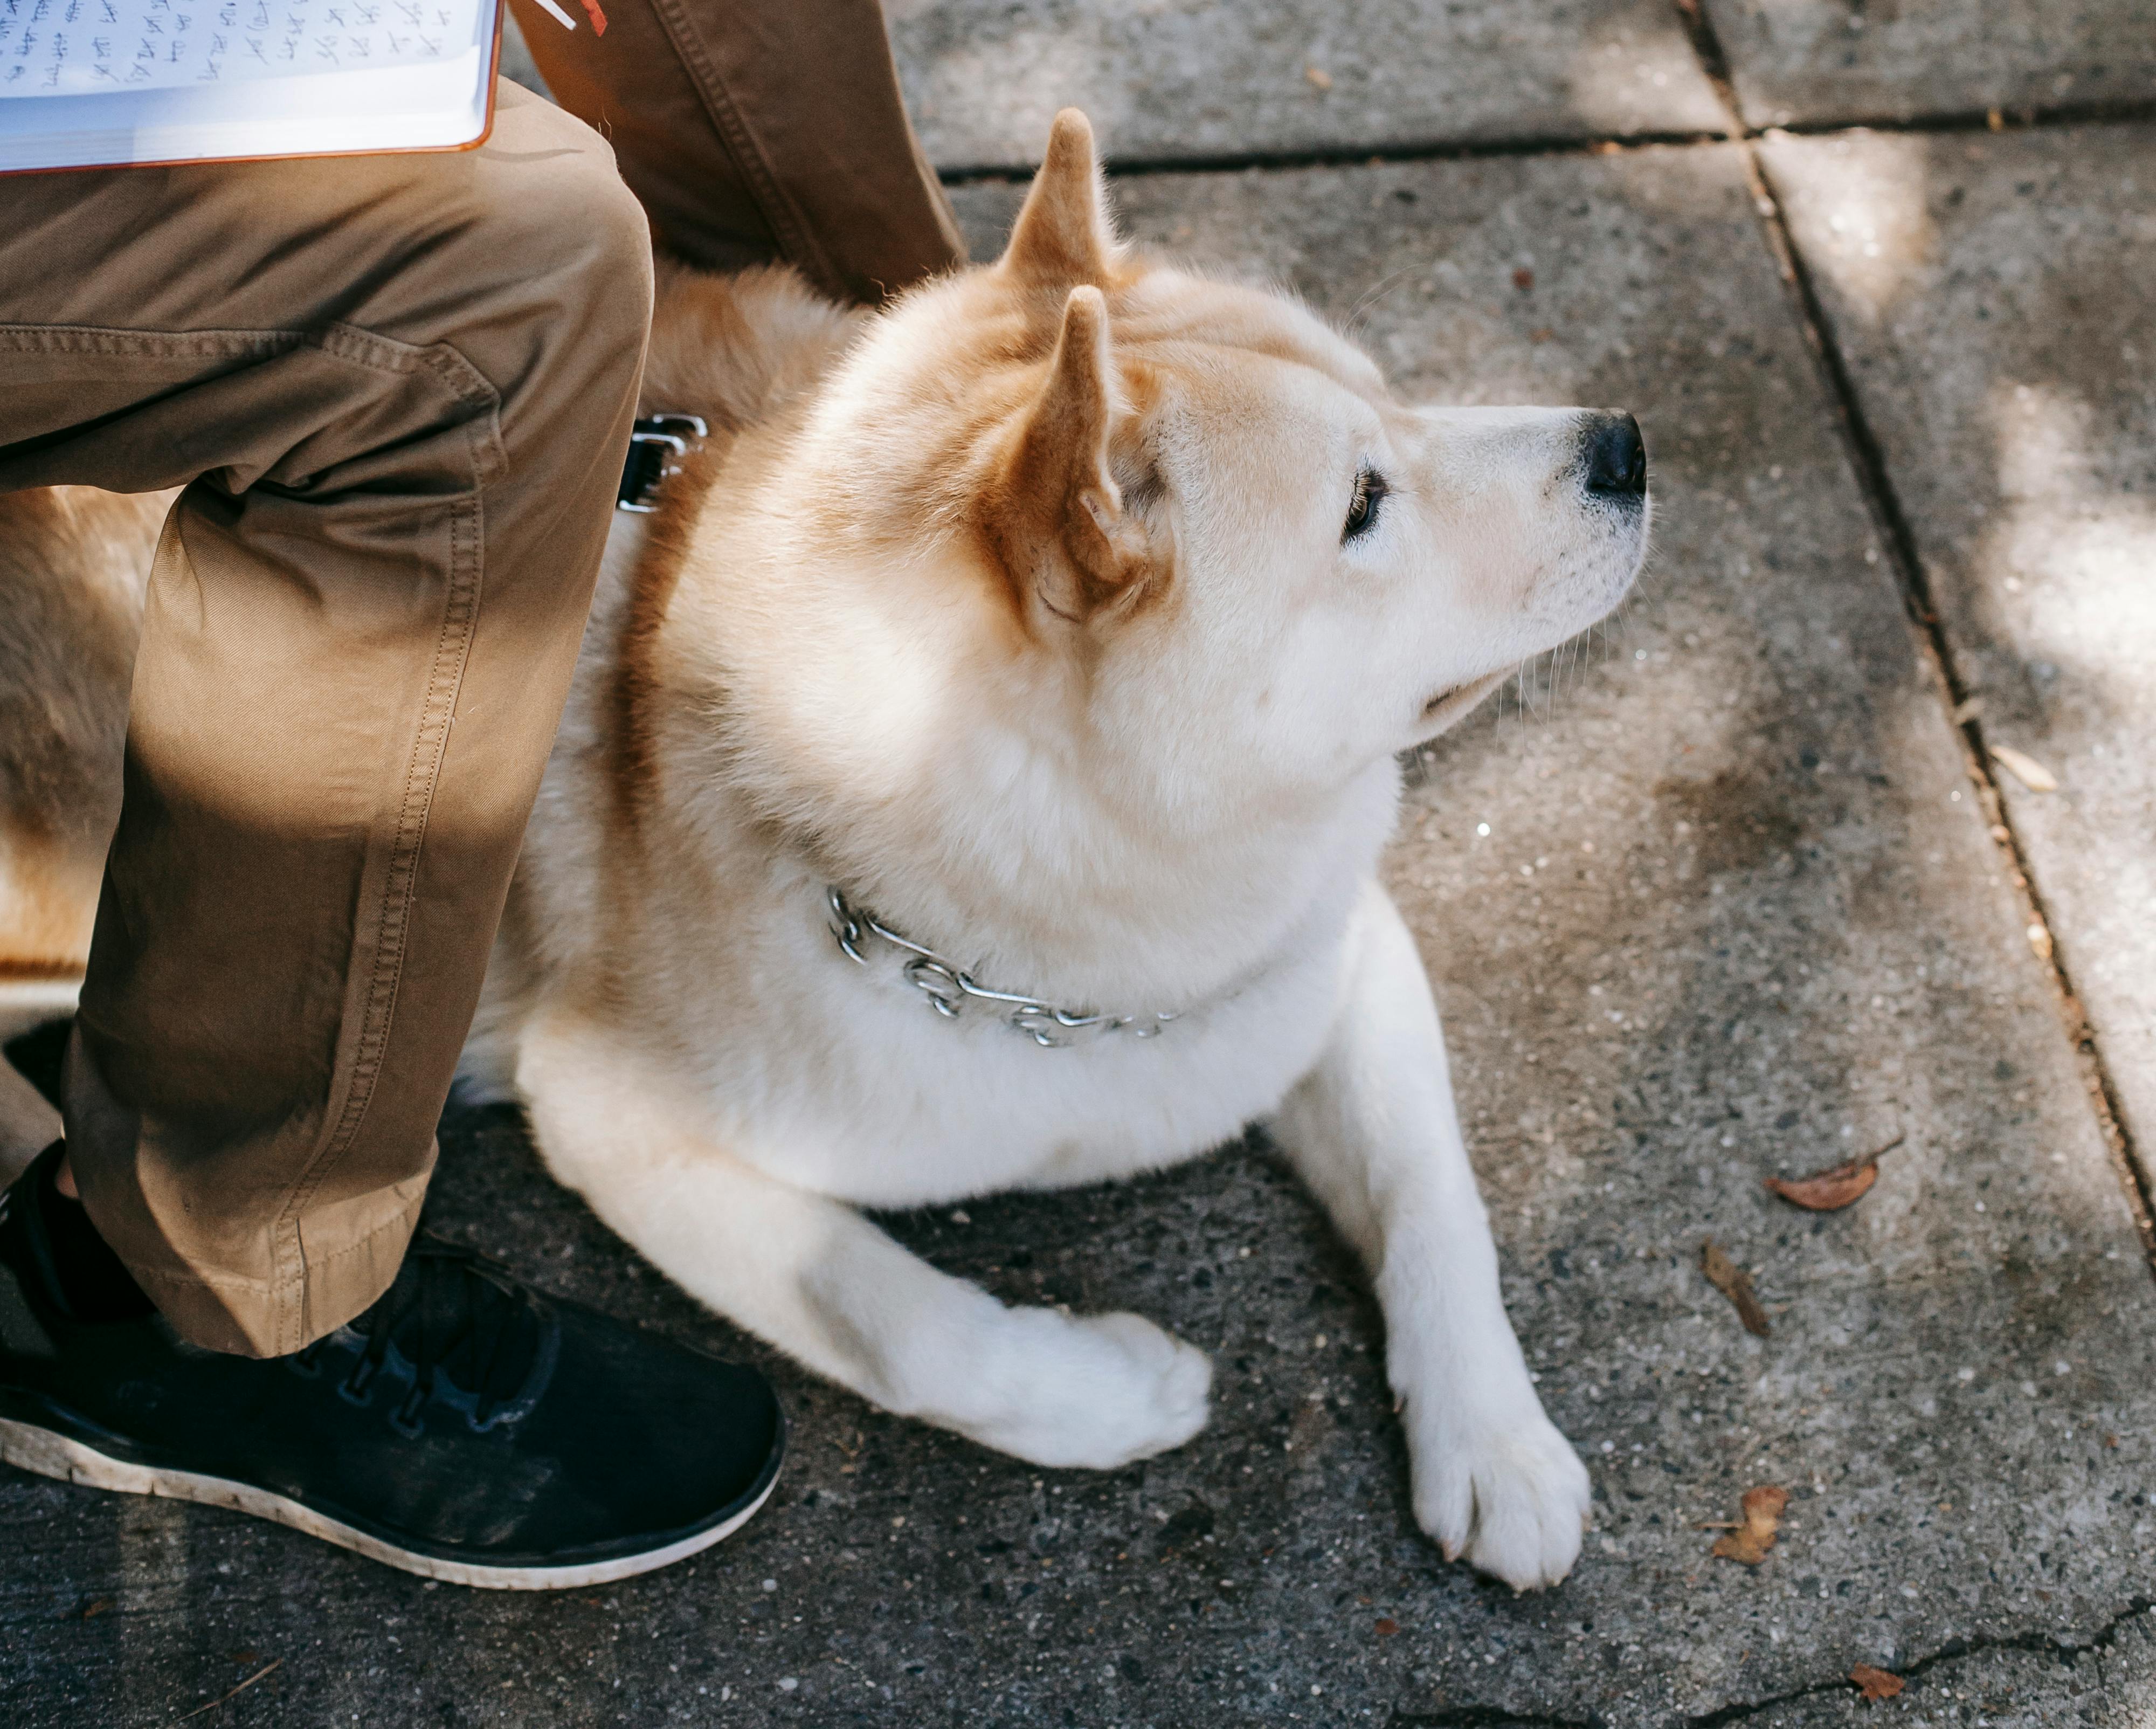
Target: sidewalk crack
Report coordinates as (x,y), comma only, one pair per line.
(1486,1716)
(1954,1650)
(1867,459)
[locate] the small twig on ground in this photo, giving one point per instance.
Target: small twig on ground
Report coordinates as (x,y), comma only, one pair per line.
(1725,1276)
(273,1663)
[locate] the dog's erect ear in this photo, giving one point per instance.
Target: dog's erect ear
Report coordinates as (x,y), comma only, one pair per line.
(1058,517)
(1063,236)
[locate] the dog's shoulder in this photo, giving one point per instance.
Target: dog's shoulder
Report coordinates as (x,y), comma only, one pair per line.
(741,351)
(735,348)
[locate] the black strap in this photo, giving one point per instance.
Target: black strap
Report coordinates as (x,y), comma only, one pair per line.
(657,445)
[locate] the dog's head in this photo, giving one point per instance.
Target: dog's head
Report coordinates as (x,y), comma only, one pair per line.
(1171,536)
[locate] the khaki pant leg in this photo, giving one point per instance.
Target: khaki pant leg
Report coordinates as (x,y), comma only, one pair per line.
(760,129)
(398,389)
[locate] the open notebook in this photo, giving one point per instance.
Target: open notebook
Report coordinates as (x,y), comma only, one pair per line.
(88,82)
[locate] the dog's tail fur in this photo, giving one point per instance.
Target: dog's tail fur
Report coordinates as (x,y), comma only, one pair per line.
(731,347)
(73,562)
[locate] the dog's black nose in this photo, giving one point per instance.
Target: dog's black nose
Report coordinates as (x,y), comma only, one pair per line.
(1615,457)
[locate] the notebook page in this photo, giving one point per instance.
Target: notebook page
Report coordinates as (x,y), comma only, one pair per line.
(73,48)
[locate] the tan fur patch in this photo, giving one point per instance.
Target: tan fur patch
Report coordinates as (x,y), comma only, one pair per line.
(669,539)
(73,564)
(738,351)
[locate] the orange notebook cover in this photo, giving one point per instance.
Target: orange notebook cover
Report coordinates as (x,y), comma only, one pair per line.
(97,83)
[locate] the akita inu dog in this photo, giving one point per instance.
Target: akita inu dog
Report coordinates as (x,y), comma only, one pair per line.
(975,779)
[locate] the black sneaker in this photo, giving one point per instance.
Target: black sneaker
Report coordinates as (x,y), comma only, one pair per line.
(464,1428)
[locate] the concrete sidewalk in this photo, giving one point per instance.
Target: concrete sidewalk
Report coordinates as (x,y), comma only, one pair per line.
(1736,890)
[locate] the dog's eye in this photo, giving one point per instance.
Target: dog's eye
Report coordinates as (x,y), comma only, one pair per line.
(1370,489)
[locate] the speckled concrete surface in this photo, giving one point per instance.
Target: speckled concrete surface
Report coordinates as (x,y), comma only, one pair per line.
(1174,79)
(1816,61)
(1735,913)
(1980,287)
(1177,80)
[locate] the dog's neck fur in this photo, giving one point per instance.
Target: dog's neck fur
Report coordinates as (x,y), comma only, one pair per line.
(827,747)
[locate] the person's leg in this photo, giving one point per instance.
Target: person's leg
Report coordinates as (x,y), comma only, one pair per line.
(400,387)
(398,390)
(754,130)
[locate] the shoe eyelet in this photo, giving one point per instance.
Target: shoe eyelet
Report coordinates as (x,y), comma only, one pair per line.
(408,1419)
(358,1386)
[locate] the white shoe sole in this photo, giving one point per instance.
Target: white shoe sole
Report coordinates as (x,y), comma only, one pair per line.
(52,1455)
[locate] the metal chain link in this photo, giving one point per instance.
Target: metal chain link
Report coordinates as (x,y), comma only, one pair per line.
(952,992)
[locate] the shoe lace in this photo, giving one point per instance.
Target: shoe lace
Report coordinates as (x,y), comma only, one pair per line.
(466,1331)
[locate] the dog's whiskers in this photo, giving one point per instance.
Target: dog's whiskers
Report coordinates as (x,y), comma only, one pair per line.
(1374,295)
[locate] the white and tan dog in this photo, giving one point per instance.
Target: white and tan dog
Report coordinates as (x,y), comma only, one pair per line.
(975,780)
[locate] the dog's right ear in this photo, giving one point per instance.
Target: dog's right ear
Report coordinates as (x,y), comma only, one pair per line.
(1064,237)
(1057,517)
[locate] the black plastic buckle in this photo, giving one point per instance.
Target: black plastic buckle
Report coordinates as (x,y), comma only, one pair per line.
(657,445)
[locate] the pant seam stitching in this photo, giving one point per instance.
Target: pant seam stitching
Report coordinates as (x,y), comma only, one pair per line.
(795,238)
(89,338)
(401,1219)
(391,923)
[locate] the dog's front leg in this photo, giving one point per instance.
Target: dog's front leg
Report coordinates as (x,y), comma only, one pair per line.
(821,1283)
(1374,1133)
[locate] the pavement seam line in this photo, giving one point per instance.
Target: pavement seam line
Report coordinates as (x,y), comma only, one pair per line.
(1868,463)
(1564,144)
(1354,156)
(2034,117)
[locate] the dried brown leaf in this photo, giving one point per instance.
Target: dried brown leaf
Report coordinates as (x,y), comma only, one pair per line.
(1387,1627)
(1524,279)
(1831,1190)
(1827,1190)
(1762,1517)
(1875,1684)
(1732,1280)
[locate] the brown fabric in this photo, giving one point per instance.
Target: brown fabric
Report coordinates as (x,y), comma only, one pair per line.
(397,390)
(753,131)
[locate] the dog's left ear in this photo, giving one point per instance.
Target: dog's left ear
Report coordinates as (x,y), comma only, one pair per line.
(1058,517)
(1063,235)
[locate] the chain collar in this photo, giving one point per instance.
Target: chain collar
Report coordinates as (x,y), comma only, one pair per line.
(952,994)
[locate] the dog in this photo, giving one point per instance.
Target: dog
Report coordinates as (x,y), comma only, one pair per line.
(974,779)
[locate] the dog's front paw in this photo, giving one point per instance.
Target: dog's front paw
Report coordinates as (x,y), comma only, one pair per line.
(1505,1488)
(1095,1392)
